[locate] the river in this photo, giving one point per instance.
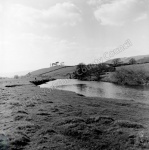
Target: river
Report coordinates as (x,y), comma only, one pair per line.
(100,89)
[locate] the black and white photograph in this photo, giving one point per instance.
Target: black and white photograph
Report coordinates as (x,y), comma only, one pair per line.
(74,74)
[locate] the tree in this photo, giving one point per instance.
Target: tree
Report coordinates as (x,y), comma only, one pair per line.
(81,71)
(100,70)
(132,61)
(116,62)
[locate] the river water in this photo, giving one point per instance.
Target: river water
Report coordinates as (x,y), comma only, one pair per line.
(100,89)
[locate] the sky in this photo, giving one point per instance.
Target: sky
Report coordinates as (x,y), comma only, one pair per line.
(36,33)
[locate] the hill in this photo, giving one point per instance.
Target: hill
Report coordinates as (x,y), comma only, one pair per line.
(140,59)
(54,72)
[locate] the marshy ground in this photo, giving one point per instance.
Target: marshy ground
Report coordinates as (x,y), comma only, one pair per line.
(32,118)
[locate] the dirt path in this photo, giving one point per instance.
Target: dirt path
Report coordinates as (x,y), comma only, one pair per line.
(39,119)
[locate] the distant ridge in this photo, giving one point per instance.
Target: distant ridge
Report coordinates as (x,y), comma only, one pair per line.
(139,59)
(12,74)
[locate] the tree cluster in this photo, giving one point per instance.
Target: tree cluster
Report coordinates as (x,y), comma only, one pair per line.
(86,72)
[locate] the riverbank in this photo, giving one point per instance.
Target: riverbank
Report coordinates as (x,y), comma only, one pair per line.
(40,119)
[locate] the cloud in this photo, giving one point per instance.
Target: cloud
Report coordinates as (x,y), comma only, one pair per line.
(1,8)
(33,51)
(29,41)
(119,12)
(1,13)
(92,2)
(97,2)
(60,14)
(141,17)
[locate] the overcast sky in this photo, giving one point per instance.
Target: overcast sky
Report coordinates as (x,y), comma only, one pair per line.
(35,33)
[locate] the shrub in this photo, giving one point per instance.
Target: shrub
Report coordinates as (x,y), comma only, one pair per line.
(131,77)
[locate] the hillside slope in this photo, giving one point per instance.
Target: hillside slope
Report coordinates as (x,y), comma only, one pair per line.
(44,70)
(55,72)
(136,67)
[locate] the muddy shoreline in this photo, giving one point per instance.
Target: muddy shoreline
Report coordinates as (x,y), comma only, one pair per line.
(32,119)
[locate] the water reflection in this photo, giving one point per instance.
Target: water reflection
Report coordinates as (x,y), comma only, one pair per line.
(102,89)
(81,87)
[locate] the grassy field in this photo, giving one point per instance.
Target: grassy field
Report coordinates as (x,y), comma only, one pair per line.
(45,70)
(136,67)
(61,73)
(55,72)
(39,119)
